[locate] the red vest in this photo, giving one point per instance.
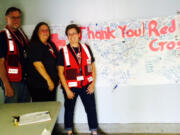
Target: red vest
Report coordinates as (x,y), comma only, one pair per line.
(75,77)
(13,65)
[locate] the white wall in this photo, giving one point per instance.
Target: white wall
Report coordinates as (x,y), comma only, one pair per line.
(128,104)
(63,11)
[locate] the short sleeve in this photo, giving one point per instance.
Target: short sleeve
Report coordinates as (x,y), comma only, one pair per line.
(92,56)
(3,45)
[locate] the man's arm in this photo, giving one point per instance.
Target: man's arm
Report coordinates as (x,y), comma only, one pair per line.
(3,75)
(69,93)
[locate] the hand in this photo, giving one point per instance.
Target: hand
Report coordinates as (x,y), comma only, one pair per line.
(70,94)
(90,89)
(9,92)
(50,85)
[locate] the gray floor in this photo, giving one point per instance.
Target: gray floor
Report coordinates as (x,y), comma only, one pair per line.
(130,134)
(57,131)
(118,134)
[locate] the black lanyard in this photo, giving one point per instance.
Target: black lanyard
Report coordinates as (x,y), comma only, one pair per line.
(18,37)
(77,55)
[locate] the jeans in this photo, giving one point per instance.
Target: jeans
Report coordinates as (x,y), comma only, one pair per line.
(89,105)
(21,93)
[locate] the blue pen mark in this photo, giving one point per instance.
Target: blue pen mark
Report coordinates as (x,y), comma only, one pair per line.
(115,86)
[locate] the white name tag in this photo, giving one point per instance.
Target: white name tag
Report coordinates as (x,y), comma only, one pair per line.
(11,46)
(80,78)
(12,71)
(72,84)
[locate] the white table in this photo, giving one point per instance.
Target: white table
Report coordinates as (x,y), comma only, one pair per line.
(7,126)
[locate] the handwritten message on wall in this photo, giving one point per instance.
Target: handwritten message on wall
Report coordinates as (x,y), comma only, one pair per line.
(132,52)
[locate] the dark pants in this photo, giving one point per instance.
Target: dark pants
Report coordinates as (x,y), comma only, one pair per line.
(89,105)
(42,94)
(21,92)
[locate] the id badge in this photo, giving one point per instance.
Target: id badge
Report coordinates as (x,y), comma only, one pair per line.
(80,78)
(12,71)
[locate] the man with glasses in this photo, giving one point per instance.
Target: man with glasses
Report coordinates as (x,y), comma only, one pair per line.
(13,58)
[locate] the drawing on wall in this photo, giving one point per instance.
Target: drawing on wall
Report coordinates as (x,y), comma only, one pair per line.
(132,52)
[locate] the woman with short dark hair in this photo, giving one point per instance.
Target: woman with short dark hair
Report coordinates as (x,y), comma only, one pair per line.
(77,73)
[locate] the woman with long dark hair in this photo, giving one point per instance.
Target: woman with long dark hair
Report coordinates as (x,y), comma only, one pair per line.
(43,77)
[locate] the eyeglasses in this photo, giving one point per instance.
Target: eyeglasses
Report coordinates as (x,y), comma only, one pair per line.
(44,31)
(72,34)
(15,17)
